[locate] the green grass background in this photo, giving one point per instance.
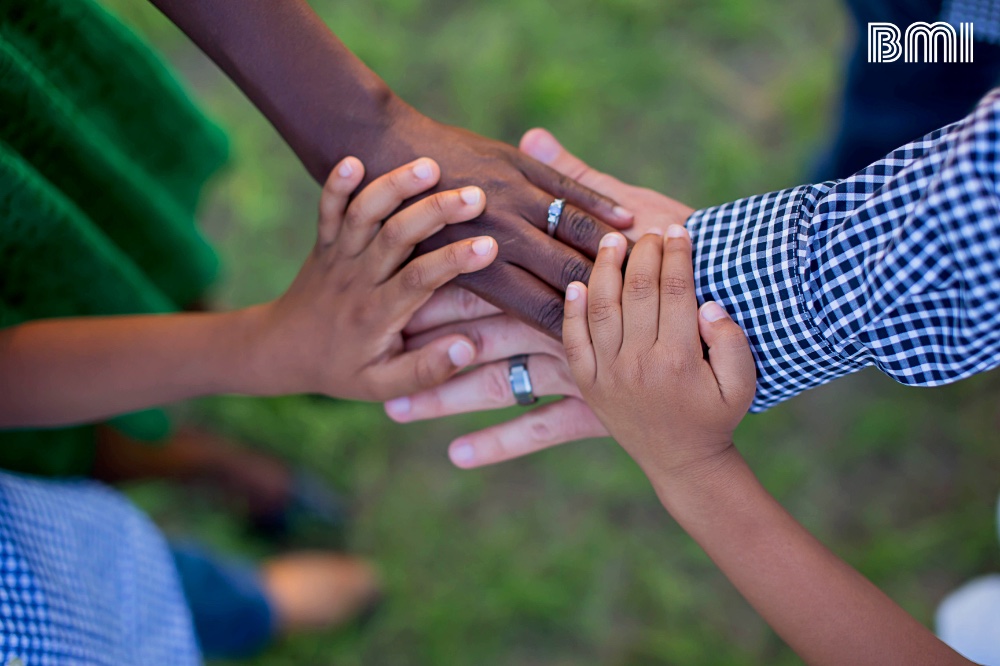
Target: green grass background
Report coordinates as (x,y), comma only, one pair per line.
(566,557)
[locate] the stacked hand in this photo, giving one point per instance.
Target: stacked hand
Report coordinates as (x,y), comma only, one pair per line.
(532,270)
(338,328)
(635,349)
(498,336)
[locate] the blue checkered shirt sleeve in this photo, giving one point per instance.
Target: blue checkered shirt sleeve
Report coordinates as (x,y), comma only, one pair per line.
(897,266)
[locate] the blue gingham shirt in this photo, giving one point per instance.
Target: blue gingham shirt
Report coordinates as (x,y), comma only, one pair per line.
(86,578)
(897,266)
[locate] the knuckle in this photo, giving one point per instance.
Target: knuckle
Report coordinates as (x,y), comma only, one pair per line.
(413,276)
(575,352)
(640,284)
(393,233)
(454,255)
(438,205)
(678,364)
(424,372)
(497,386)
(579,226)
(357,215)
(674,285)
(550,314)
(601,309)
(540,430)
(575,269)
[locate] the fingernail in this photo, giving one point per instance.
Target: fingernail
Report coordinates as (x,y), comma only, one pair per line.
(611,240)
(461,353)
(622,213)
(676,231)
(572,292)
(544,148)
(712,311)
(346,169)
(470,195)
(656,231)
(482,246)
(462,452)
(398,408)
(422,170)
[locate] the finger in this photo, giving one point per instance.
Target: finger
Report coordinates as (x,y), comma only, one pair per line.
(640,297)
(556,423)
(678,304)
(340,184)
(540,144)
(378,201)
(561,186)
(519,293)
(578,345)
(551,260)
(486,387)
(495,338)
(728,353)
(449,304)
(575,228)
(401,232)
(604,298)
(424,368)
(416,282)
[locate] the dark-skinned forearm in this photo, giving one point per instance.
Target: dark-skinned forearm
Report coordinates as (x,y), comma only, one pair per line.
(322,99)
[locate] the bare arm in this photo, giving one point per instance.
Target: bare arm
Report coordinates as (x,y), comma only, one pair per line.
(635,349)
(823,608)
(66,371)
(327,104)
(337,330)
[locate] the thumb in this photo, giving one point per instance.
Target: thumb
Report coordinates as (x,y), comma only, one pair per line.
(728,353)
(426,367)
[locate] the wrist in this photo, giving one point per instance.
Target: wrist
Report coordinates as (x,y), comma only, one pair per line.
(688,490)
(247,357)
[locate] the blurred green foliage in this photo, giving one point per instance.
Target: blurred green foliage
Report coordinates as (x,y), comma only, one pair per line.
(566,557)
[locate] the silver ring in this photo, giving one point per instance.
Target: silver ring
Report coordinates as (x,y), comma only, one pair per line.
(555,214)
(520,380)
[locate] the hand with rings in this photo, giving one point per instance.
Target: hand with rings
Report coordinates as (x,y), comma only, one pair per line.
(518,362)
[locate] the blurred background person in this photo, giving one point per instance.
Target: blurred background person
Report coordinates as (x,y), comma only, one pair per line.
(103,159)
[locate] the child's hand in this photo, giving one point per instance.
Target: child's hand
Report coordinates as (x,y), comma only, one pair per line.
(637,355)
(337,330)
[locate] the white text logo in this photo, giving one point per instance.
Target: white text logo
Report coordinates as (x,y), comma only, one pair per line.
(937,42)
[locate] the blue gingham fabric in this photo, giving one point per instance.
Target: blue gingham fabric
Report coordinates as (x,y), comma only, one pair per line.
(86,579)
(897,266)
(983,14)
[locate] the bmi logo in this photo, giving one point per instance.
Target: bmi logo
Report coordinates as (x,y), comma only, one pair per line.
(938,42)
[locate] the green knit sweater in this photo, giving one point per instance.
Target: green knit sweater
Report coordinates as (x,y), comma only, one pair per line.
(102,161)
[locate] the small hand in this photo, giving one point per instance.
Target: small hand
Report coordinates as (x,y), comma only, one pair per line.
(635,350)
(338,328)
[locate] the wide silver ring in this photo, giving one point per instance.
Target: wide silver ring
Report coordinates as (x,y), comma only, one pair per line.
(555,214)
(520,380)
